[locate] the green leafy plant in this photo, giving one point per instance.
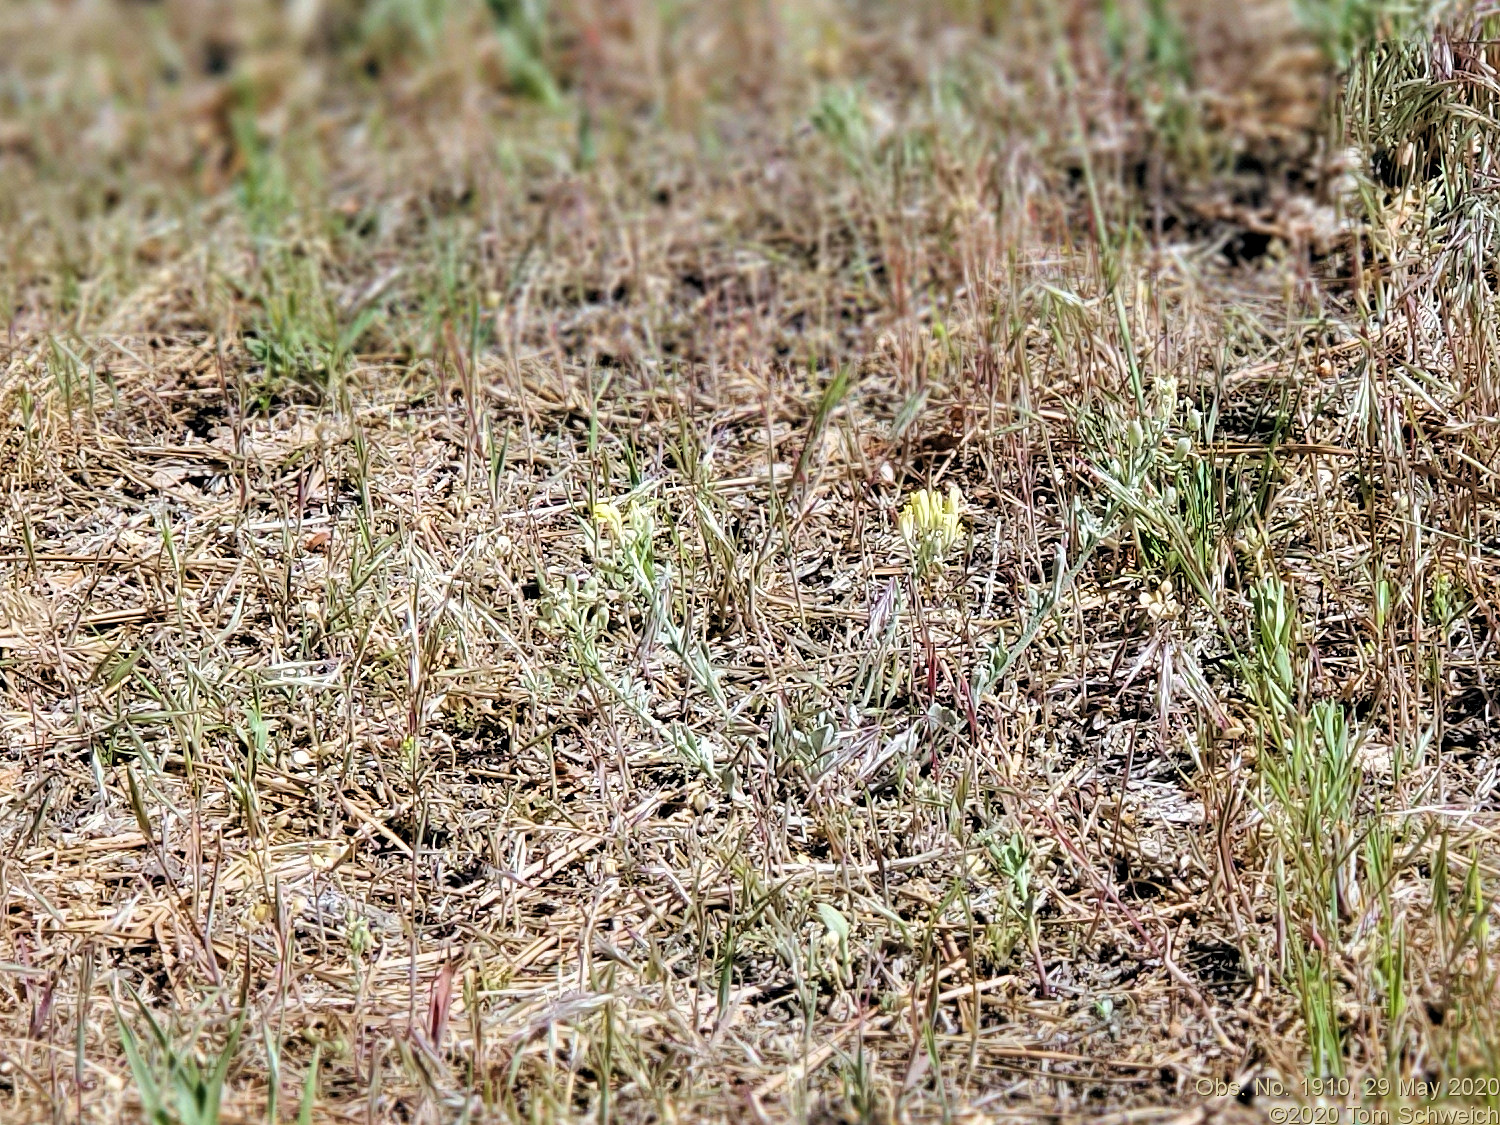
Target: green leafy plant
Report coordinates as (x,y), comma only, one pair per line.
(390,28)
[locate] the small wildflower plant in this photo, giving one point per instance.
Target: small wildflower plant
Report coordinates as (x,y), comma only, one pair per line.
(623,544)
(931,523)
(358,937)
(579,610)
(621,548)
(620,538)
(1160,603)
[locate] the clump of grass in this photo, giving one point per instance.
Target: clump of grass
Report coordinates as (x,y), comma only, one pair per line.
(1419,115)
(302,337)
(181,1087)
(525,43)
(1310,768)
(1148,49)
(391,28)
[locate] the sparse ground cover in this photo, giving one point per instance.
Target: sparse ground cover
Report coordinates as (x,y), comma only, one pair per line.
(747,560)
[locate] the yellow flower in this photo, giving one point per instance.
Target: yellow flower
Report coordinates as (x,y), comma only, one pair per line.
(932,524)
(620,541)
(608,515)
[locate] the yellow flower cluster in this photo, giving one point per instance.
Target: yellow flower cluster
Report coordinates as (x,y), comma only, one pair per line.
(931,524)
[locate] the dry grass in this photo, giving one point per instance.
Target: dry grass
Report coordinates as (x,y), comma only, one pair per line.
(459,652)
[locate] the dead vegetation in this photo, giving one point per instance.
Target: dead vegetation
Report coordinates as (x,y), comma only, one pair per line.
(470,649)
